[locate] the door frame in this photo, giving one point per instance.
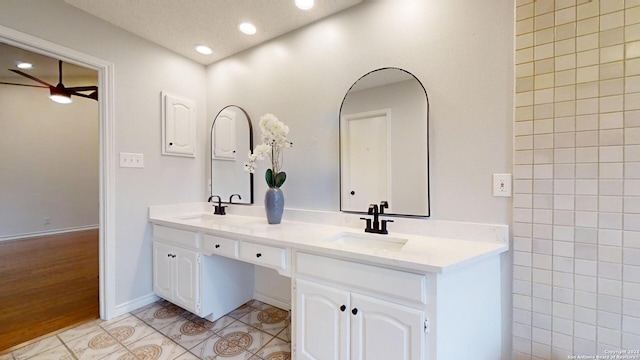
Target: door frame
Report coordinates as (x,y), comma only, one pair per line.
(106,190)
(344,153)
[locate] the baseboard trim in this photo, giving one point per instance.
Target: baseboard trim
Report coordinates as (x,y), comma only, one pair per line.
(135,304)
(279,303)
(48,232)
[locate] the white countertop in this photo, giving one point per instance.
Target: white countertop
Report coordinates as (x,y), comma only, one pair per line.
(434,254)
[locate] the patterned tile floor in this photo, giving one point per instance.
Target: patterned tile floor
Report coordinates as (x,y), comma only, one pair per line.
(163,331)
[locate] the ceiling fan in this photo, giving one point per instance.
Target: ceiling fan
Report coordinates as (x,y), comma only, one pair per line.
(59,93)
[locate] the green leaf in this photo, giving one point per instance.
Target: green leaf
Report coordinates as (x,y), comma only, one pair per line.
(280,178)
(268,176)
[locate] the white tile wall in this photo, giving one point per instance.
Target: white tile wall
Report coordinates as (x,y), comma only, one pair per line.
(576,178)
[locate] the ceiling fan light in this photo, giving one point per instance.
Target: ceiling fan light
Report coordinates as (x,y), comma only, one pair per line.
(59,96)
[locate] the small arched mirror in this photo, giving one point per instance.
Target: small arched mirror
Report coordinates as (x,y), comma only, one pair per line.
(384,148)
(231,139)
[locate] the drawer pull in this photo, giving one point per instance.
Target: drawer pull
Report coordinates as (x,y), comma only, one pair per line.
(258,254)
(217,246)
(343,308)
(354,311)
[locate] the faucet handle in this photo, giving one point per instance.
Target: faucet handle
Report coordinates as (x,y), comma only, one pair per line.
(383,229)
(373,209)
(384,204)
(368,228)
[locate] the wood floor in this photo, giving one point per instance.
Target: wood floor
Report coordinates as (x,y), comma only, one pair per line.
(47,283)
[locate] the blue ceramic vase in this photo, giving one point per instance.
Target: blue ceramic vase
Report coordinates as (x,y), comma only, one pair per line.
(274,205)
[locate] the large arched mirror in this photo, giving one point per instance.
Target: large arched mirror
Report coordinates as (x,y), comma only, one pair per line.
(231,140)
(384,147)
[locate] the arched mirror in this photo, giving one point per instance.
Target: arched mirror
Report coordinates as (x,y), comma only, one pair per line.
(384,144)
(231,139)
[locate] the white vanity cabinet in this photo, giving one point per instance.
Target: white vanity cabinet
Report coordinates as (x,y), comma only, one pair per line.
(346,310)
(193,281)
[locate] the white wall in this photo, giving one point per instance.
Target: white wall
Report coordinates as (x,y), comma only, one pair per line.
(460,50)
(48,161)
(142,70)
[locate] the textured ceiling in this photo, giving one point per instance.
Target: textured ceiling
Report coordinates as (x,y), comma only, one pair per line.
(179,25)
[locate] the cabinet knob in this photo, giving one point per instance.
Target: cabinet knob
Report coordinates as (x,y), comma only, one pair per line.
(343,308)
(258,255)
(217,246)
(168,255)
(170,144)
(354,311)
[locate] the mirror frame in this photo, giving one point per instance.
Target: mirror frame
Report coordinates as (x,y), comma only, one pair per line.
(250,149)
(427,153)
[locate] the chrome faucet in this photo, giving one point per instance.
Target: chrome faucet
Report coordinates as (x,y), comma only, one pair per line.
(377,227)
(231,198)
(217,209)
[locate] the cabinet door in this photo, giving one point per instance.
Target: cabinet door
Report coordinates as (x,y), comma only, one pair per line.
(322,322)
(381,330)
(162,271)
(187,280)
(179,126)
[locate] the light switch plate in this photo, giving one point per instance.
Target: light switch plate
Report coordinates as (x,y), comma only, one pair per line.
(502,185)
(131,160)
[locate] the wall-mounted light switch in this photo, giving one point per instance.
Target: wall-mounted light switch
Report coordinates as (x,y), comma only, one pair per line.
(502,185)
(131,160)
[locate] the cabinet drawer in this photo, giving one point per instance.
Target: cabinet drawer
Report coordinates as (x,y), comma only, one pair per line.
(388,282)
(265,255)
(219,246)
(176,236)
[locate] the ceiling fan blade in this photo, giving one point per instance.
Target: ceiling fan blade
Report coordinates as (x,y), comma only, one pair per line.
(38,86)
(31,77)
(83,88)
(93,95)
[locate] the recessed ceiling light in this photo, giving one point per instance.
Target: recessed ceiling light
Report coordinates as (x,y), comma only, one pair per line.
(305,4)
(203,49)
(24,65)
(248,28)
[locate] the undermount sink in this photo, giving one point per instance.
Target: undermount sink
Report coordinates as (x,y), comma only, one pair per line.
(367,240)
(198,218)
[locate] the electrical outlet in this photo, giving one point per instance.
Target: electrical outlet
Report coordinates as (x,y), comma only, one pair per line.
(131,160)
(502,185)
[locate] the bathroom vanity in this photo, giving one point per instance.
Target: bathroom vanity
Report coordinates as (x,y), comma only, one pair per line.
(431,290)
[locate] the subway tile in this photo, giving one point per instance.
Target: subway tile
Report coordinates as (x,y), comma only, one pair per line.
(631,290)
(563,264)
(586,203)
(524,98)
(543,6)
(632,16)
(584,331)
(585,283)
(543,156)
(632,170)
(587,171)
(561,4)
(522,172)
(563,248)
(612,53)
(564,171)
(612,237)
(522,200)
(540,261)
(564,187)
(631,307)
(522,287)
(565,62)
(632,136)
(611,171)
(587,10)
(545,96)
(610,303)
(524,11)
(524,84)
(614,103)
(632,205)
(632,67)
(564,109)
(565,93)
(610,271)
(544,36)
(632,50)
(544,51)
(612,37)
(565,16)
(586,155)
(521,302)
(564,202)
(541,291)
(632,153)
(524,41)
(523,142)
(609,6)
(611,154)
(564,233)
(566,77)
(521,330)
(524,55)
(522,229)
(586,187)
(587,73)
(563,326)
(542,231)
(586,267)
(565,48)
(587,122)
(586,252)
(586,219)
(629,340)
(566,32)
(563,310)
(524,70)
(611,137)
(563,217)
(541,276)
(524,26)
(541,336)
(522,316)
(564,156)
(611,120)
(542,216)
(612,87)
(610,187)
(611,204)
(610,320)
(632,222)
(542,114)
(565,140)
(585,299)
(587,139)
(543,21)
(544,81)
(522,215)
(587,42)
(544,67)
(543,126)
(524,157)
(609,337)
(542,201)
(588,26)
(632,187)
(611,20)
(587,106)
(609,287)
(630,256)
(541,321)
(524,113)
(612,70)
(631,325)
(587,90)
(522,273)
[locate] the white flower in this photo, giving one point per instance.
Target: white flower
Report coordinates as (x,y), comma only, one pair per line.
(274,139)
